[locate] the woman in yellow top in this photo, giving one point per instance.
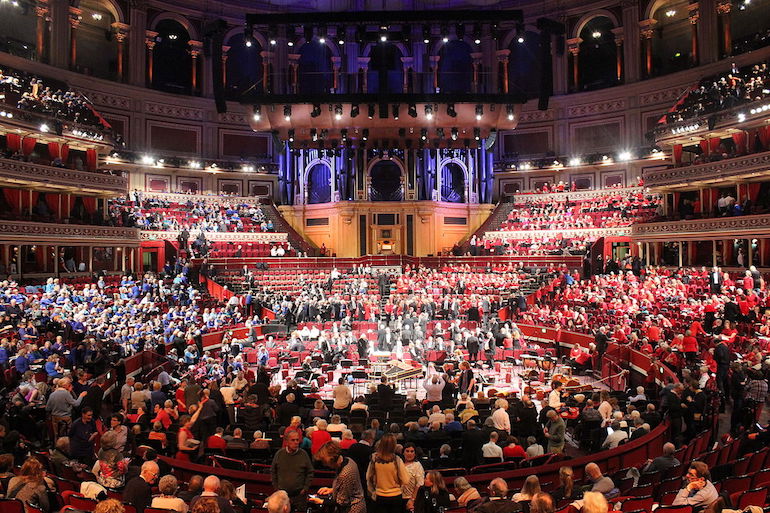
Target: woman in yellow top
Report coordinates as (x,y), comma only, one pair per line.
(385,477)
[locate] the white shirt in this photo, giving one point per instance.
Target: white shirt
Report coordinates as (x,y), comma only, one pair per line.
(501,420)
(492,450)
(614,439)
(554,399)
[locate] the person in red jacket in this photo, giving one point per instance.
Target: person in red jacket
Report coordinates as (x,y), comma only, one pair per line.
(690,346)
(216,441)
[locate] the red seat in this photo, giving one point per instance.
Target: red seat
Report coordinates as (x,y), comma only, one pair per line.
(743,499)
(634,503)
(11,506)
(736,484)
(673,509)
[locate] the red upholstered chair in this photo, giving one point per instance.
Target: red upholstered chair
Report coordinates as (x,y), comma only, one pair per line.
(736,484)
(675,509)
(635,503)
(749,498)
(11,506)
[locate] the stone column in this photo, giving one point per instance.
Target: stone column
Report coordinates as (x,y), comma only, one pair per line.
(121,34)
(75,15)
(694,16)
(41,12)
(363,69)
(336,65)
(646,31)
(267,62)
(225,49)
(149,42)
(476,89)
(618,33)
(573,45)
(723,10)
(631,53)
(195,52)
(406,64)
(434,60)
(135,64)
(294,72)
(502,57)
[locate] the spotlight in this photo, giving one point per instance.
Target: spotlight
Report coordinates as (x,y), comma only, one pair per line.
(412,111)
(290,43)
(426,34)
(429,112)
(291,135)
(287,112)
(396,107)
(670,13)
(445,39)
(460,31)
(338,112)
(344,134)
(520,39)
(450,110)
(596,34)
(257,112)
(322,40)
(354,110)
(383,38)
(454,133)
(479,112)
(147,160)
(365,134)
(509,111)
(477,133)
(248,35)
(314,134)
(624,156)
(477,34)
(371,111)
(423,134)
(574,161)
(44,128)
(741,117)
(194,164)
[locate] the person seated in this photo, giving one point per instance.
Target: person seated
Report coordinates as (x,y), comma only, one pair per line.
(217,441)
(698,491)
(664,462)
(600,483)
(513,450)
(617,435)
(498,501)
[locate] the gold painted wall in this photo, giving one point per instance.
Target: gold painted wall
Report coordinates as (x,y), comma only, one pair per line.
(341,235)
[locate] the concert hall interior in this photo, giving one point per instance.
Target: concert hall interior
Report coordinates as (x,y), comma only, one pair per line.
(346,256)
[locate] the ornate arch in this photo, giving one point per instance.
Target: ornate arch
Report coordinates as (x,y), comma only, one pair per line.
(505,42)
(329,43)
(401,168)
(114,8)
(401,46)
(466,175)
(591,15)
(191,30)
(306,172)
(653,6)
(239,30)
(436,48)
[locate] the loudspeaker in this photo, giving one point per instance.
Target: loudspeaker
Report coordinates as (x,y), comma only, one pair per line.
(490,141)
(214,33)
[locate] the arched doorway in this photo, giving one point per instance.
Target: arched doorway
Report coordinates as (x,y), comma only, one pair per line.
(244,67)
(672,39)
(319,186)
(455,67)
(97,47)
(452,183)
(171,62)
(598,55)
(386,72)
(386,182)
(315,68)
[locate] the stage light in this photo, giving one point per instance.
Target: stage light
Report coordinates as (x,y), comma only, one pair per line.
(273,42)
(509,111)
(194,164)
(426,34)
(429,112)
(396,107)
(287,112)
(314,134)
(596,34)
(445,39)
(257,112)
(477,34)
(322,40)
(44,128)
(147,160)
(344,134)
(477,133)
(460,31)
(423,134)
(454,133)
(450,110)
(520,39)
(412,111)
(440,133)
(290,43)
(741,117)
(479,112)
(338,112)
(291,135)
(670,13)
(383,38)
(371,111)
(624,156)
(574,161)
(354,110)
(365,134)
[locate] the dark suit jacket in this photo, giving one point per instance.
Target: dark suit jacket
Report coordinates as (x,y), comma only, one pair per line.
(361,454)
(498,506)
(138,493)
(473,440)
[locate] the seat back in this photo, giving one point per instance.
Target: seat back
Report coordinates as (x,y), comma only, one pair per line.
(11,506)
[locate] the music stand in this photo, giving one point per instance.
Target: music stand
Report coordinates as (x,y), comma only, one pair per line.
(360,377)
(346,364)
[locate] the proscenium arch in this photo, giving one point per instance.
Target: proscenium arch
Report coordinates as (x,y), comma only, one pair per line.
(582,22)
(189,27)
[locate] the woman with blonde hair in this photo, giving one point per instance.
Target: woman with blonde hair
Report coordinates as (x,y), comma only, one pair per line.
(385,477)
(566,489)
(433,496)
(29,486)
(594,502)
(530,488)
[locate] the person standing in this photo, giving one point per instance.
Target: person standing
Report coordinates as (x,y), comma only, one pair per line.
(385,477)
(138,491)
(292,471)
(554,432)
(346,492)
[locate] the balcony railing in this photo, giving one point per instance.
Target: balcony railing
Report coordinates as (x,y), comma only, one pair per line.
(27,174)
(236,237)
(689,176)
(62,234)
(696,229)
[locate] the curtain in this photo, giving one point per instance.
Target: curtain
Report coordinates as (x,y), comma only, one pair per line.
(53,150)
(677,154)
(52,200)
(754,191)
(739,138)
(91,160)
(714,144)
(65,152)
(677,197)
(704,147)
(764,136)
(13,197)
(28,146)
(14,142)
(90,203)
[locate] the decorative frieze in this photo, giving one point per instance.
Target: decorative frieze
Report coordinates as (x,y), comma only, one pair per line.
(739,166)
(174,111)
(26,173)
(749,226)
(588,109)
(238,237)
(56,233)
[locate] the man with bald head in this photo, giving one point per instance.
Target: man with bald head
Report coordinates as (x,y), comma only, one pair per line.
(138,491)
(664,462)
(278,503)
(211,490)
